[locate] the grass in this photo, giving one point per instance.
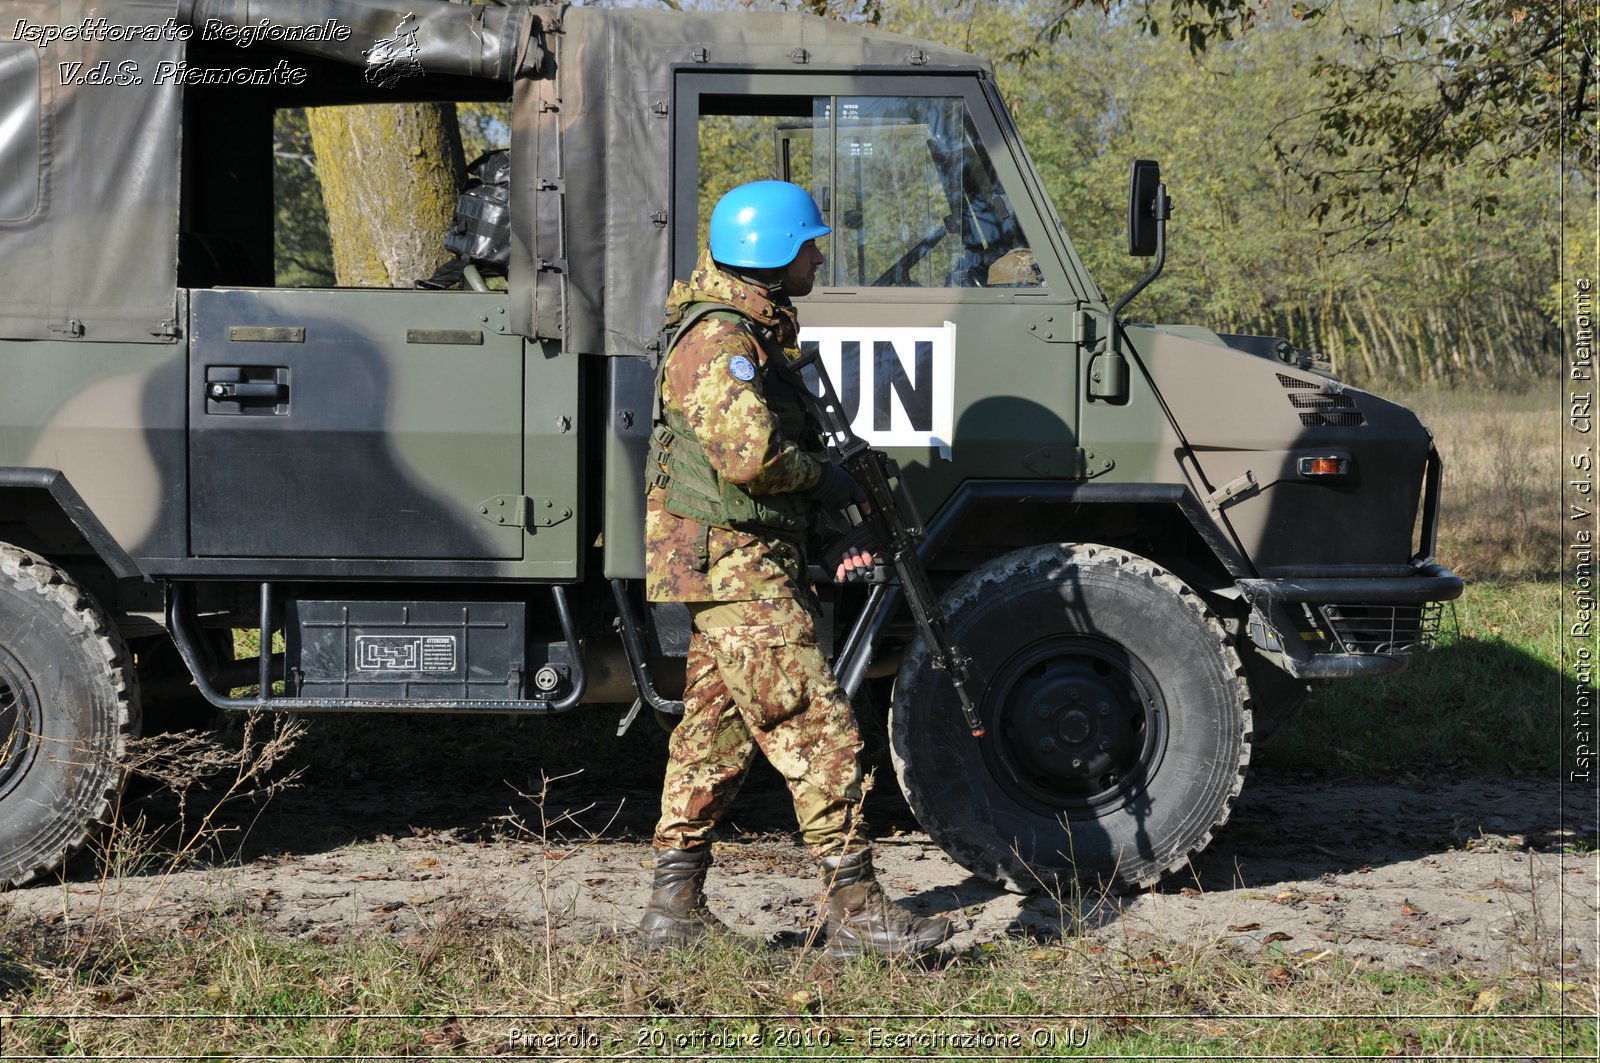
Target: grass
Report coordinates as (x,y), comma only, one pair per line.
(236,992)
(1482,702)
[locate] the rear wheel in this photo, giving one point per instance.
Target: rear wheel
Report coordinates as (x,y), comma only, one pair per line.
(67,708)
(1117,722)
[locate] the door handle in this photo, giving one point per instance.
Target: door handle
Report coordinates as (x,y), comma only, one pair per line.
(247,389)
(273,393)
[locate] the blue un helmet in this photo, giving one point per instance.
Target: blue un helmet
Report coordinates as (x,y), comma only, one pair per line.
(761,225)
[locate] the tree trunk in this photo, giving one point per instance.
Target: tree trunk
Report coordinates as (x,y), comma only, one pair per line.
(390,176)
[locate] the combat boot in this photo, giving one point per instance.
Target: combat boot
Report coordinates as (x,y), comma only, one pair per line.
(861,918)
(677,912)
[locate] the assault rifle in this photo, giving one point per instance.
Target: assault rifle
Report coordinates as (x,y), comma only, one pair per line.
(882,516)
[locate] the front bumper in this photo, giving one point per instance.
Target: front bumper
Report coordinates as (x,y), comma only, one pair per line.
(1338,628)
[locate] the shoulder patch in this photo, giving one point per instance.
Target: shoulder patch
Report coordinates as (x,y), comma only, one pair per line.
(742,368)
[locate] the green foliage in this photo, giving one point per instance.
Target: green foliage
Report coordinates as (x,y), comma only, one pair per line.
(1411,90)
(303,252)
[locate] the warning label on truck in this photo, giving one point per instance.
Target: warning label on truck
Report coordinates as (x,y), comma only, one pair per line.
(406,653)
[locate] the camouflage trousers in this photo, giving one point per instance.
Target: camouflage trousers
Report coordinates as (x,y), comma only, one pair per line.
(757,679)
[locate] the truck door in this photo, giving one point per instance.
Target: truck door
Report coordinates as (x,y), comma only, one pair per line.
(342,424)
(946,294)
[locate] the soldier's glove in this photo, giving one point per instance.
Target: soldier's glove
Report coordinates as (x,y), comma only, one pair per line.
(837,488)
(833,551)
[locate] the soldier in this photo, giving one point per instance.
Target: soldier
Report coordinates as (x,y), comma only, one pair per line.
(735,474)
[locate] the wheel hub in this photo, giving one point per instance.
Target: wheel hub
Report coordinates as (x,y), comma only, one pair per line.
(17,722)
(1073,721)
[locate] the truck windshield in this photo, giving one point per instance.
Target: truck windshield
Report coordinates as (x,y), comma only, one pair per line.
(904,181)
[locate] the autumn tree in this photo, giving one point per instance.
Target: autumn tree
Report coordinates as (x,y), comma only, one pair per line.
(1411,89)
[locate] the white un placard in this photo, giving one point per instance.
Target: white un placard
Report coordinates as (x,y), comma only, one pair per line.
(897,385)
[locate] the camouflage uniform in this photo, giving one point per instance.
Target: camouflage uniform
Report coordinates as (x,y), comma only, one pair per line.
(757,677)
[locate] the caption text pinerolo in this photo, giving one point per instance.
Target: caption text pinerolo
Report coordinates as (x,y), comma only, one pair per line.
(656,1041)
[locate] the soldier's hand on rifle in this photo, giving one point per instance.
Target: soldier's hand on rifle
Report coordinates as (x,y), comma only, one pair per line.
(837,488)
(856,564)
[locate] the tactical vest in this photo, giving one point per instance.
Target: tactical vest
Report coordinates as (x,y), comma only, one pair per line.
(679,466)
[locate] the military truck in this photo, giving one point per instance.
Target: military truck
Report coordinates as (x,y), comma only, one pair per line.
(1146,539)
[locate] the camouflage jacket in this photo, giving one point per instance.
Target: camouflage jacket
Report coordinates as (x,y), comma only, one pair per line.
(740,436)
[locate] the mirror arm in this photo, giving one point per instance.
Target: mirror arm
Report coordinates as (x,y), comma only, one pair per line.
(1162,209)
(1108,370)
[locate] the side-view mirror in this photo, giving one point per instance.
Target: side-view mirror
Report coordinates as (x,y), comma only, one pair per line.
(1143,209)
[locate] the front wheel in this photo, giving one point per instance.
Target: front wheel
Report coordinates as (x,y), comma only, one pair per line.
(67,708)
(1117,722)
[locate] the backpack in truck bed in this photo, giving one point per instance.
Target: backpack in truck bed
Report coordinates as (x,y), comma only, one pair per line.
(480,230)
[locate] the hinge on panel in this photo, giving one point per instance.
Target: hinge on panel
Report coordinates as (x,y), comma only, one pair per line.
(1055,327)
(167,330)
(1239,487)
(1067,463)
(545,184)
(550,265)
(520,511)
(71,327)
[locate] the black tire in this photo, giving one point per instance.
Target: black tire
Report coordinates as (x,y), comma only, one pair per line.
(68,704)
(1117,718)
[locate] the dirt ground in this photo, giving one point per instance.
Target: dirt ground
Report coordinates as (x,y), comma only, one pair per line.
(1481,874)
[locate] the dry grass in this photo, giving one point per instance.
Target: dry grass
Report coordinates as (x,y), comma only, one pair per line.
(1501,512)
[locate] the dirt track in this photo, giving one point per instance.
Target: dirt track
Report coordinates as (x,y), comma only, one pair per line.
(1474,873)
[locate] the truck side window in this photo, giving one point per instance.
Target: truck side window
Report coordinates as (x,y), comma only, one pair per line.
(19,132)
(904,181)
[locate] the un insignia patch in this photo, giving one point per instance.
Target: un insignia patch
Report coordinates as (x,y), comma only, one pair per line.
(742,368)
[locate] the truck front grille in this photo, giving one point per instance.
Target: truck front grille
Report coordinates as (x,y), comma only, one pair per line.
(1381,628)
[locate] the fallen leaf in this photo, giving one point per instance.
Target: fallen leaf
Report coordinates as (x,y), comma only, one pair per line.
(1477,898)
(1278,935)
(1243,927)
(1487,1000)
(1407,908)
(1560,987)
(1278,974)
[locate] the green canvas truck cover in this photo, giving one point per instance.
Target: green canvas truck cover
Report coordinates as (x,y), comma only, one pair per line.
(91,157)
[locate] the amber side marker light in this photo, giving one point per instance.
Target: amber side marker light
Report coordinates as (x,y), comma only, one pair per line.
(1324,466)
